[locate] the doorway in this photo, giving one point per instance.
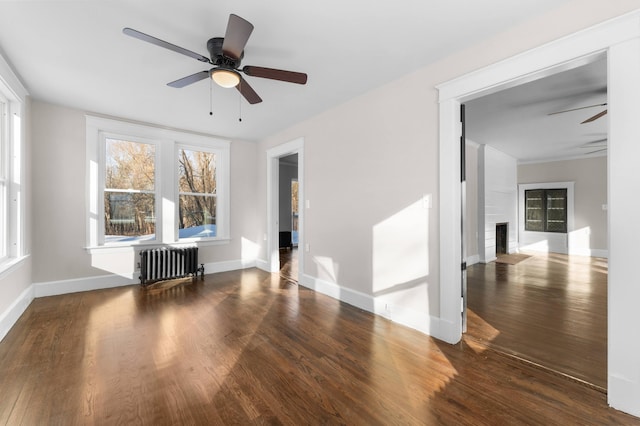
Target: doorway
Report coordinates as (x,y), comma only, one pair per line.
(527,290)
(620,39)
(288,206)
(285,165)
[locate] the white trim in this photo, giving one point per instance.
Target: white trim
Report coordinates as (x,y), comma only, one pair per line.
(407,317)
(166,142)
(12,314)
(263,264)
(10,84)
(54,288)
(620,39)
(295,146)
(472,260)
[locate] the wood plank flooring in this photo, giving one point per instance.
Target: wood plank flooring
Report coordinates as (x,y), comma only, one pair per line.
(248,347)
(549,309)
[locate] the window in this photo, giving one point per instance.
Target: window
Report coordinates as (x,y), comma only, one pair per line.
(3,177)
(149,185)
(197,206)
(545,210)
(129,193)
(12,213)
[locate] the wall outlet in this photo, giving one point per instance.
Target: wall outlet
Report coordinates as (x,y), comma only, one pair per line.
(307,247)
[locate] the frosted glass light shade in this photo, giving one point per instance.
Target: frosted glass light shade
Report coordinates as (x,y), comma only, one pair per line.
(225,78)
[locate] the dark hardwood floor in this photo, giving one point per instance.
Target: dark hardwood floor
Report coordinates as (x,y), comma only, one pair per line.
(289,263)
(249,347)
(548,309)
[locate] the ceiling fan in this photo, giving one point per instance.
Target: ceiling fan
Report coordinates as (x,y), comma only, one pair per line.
(226,54)
(599,145)
(590,119)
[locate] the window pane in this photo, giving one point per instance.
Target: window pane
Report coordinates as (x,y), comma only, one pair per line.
(556,210)
(197,216)
(130,165)
(534,210)
(129,216)
(196,172)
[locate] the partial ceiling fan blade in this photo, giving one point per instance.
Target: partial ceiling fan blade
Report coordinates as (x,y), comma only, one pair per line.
(247,91)
(598,150)
(595,117)
(190,79)
(274,74)
(577,109)
(153,40)
(236,37)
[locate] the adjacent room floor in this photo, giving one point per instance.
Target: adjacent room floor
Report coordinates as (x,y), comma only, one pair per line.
(547,309)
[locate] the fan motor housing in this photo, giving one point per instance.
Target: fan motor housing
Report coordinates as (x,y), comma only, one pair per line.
(214,46)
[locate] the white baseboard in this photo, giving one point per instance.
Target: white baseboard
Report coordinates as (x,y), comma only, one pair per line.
(263,264)
(54,288)
(472,260)
(408,317)
(229,265)
(9,317)
(590,252)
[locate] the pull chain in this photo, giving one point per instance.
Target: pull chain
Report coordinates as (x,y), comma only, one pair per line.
(240,101)
(210,96)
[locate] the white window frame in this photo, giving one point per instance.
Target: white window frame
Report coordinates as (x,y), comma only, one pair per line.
(166,181)
(12,142)
(102,187)
(222,171)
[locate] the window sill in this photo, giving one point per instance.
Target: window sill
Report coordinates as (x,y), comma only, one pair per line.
(122,248)
(9,265)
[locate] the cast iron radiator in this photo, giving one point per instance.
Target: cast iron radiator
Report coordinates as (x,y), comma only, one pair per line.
(164,263)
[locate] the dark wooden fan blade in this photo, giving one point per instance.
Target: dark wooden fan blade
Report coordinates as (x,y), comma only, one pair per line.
(150,39)
(236,37)
(274,74)
(247,91)
(595,117)
(577,109)
(190,79)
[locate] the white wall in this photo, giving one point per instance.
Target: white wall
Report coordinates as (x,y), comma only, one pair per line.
(369,181)
(59,169)
(497,200)
(374,159)
(589,234)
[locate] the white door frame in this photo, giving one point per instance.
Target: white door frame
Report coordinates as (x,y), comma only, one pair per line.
(619,39)
(273,205)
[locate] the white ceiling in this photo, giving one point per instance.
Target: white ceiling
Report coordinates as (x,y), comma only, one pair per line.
(516,121)
(73,53)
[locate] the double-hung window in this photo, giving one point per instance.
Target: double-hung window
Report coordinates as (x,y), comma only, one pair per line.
(129,190)
(4,178)
(149,185)
(197,193)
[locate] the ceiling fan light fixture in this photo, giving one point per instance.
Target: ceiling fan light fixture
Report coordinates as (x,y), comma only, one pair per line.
(225,78)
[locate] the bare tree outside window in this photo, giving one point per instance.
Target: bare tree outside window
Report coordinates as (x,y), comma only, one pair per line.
(129,194)
(197,209)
